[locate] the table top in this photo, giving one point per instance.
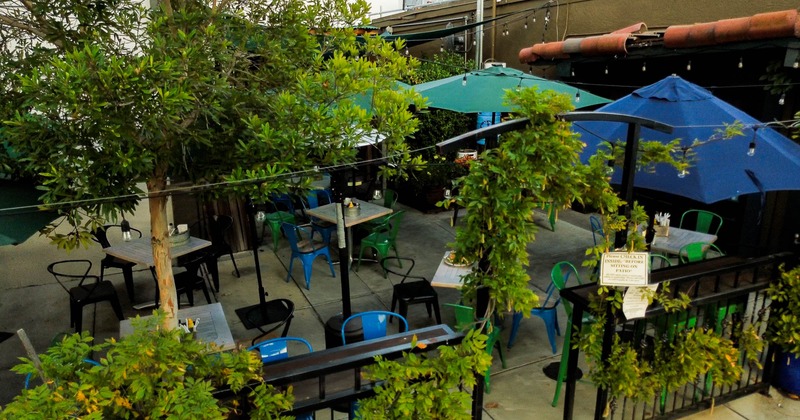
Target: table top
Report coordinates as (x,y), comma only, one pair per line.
(448,275)
(140,251)
(213,326)
(369,211)
(677,239)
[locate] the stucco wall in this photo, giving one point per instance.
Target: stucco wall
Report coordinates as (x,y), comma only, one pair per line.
(570,18)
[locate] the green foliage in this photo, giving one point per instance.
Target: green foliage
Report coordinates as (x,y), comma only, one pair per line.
(784,318)
(421,386)
(101,99)
(152,373)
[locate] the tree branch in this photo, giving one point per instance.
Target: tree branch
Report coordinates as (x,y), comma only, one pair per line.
(45,28)
(14,23)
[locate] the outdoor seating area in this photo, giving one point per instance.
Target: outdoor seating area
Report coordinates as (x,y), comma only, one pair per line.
(370,291)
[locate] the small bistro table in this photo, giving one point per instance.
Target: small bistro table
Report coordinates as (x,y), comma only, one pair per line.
(677,239)
(449,275)
(213,327)
(140,251)
(369,211)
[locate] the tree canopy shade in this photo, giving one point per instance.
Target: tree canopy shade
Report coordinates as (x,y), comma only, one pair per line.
(101,96)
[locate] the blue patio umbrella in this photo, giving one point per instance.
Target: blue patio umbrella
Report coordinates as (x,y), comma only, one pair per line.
(721,169)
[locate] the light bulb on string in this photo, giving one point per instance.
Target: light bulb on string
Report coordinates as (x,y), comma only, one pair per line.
(689,66)
(530,69)
(606,71)
(752,149)
(464,80)
(519,85)
(644,66)
(796,63)
(782,99)
(441,47)
(406,51)
(526,23)
(474,42)
(741,62)
(577,97)
(572,72)
(683,172)
(534,16)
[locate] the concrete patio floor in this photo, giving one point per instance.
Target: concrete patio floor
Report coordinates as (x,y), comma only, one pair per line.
(32,300)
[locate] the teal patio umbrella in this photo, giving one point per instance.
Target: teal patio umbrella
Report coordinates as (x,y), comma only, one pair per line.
(484,90)
(18,219)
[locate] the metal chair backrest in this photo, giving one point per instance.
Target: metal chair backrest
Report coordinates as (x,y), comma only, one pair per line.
(389,198)
(403,276)
(704,221)
(560,276)
(283,200)
(277,348)
(697,251)
(67,270)
(374,324)
(597,228)
(662,260)
(217,226)
(392,225)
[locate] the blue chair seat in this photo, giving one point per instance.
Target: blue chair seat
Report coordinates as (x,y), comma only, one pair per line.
(306,250)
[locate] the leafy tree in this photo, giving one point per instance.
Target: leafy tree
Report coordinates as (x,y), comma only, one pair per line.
(102,95)
(153,373)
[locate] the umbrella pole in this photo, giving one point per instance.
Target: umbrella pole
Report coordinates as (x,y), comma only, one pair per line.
(256,315)
(628,174)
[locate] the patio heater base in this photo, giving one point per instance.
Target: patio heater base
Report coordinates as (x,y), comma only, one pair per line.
(551,371)
(333,331)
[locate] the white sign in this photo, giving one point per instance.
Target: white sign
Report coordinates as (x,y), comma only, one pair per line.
(625,269)
(634,304)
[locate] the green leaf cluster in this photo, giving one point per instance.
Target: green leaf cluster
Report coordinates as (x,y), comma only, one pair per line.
(152,373)
(425,386)
(784,319)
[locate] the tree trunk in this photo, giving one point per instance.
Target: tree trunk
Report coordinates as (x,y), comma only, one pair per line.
(168,298)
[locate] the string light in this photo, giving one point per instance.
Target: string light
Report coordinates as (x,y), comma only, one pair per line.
(406,51)
(741,62)
(505,29)
(644,66)
(572,72)
(796,63)
(577,97)
(752,149)
(606,71)
(464,80)
(782,99)
(441,47)
(534,16)
(683,172)
(519,85)
(526,24)
(689,66)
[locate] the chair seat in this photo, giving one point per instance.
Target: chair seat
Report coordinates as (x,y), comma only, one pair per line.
(414,291)
(90,294)
(307,246)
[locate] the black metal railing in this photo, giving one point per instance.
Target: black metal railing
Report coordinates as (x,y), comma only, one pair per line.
(726,293)
(331,378)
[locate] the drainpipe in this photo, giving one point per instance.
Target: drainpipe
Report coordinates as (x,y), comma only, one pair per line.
(479,34)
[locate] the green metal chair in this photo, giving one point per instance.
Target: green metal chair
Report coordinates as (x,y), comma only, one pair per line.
(389,201)
(383,239)
(278,217)
(697,251)
(465,319)
(704,221)
(660,260)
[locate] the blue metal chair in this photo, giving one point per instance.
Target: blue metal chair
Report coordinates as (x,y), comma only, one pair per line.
(306,250)
(374,324)
(277,217)
(559,277)
(597,228)
(277,348)
(312,200)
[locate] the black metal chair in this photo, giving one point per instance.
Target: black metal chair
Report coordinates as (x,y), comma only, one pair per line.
(188,281)
(90,289)
(218,225)
(101,236)
(418,290)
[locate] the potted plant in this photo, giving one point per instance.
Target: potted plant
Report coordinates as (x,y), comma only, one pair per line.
(783,330)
